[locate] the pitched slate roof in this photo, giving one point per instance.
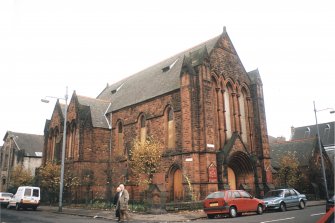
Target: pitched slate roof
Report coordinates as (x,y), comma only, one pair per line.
(156,80)
(31,144)
(304,150)
(326,136)
(98,109)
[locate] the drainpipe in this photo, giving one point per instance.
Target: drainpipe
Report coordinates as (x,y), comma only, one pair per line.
(109,166)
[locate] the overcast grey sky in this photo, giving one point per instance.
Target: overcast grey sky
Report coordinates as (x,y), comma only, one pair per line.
(85,44)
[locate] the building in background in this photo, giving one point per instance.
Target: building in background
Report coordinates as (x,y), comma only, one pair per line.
(307,154)
(327,136)
(19,149)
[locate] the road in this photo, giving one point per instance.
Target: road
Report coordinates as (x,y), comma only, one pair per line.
(295,215)
(307,215)
(38,216)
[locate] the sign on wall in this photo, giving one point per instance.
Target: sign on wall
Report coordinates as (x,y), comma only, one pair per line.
(212,173)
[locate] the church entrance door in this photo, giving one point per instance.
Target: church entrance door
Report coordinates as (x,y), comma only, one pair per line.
(231,178)
(177,185)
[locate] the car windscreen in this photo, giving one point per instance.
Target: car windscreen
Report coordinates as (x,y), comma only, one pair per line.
(36,193)
(274,193)
(6,195)
(219,194)
(27,192)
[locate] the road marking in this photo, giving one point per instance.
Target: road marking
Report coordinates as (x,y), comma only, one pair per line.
(283,219)
(318,214)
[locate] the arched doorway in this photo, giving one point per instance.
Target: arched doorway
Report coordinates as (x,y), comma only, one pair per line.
(240,171)
(177,185)
(231,178)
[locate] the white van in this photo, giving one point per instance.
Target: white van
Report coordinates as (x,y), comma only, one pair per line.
(25,197)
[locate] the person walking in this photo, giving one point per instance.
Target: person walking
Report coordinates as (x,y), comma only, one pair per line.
(115,202)
(123,203)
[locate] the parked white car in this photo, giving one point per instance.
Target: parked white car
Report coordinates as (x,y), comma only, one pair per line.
(25,197)
(4,198)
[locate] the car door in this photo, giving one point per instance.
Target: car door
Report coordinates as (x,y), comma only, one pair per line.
(247,202)
(239,202)
(288,198)
(294,198)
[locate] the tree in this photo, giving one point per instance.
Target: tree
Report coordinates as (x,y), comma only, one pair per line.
(71,183)
(87,180)
(20,176)
(146,159)
(289,173)
(49,176)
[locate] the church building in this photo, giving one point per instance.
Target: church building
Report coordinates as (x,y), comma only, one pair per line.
(208,112)
(201,104)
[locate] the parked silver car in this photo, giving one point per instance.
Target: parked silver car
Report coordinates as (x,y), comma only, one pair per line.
(281,199)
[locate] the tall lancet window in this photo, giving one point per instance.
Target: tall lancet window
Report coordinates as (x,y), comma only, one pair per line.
(69,141)
(243,118)
(171,129)
(227,108)
(216,113)
(143,130)
(120,136)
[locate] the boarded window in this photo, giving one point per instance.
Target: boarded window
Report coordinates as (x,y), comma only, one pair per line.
(171,130)
(143,133)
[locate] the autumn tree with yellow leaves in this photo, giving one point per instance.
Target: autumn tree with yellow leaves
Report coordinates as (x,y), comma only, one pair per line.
(146,159)
(289,173)
(20,176)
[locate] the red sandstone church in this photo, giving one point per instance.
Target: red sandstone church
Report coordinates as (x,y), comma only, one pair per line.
(206,109)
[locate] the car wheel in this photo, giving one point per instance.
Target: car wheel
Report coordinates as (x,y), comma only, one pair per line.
(232,212)
(301,204)
(210,216)
(17,207)
(282,207)
(259,209)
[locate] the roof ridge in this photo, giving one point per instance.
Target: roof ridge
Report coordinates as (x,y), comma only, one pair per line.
(184,52)
(23,133)
(96,99)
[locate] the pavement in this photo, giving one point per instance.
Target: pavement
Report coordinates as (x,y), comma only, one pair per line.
(178,216)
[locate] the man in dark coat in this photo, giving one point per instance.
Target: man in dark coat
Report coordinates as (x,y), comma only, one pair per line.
(115,202)
(122,203)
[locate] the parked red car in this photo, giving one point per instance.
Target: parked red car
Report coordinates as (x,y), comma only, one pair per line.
(328,217)
(232,202)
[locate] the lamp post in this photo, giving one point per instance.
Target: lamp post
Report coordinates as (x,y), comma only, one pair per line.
(61,184)
(320,148)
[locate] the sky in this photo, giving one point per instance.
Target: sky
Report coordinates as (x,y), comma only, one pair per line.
(47,46)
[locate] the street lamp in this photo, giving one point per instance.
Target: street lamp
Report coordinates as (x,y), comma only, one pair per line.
(61,184)
(320,148)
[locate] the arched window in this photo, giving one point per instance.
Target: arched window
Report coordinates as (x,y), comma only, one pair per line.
(70,141)
(73,140)
(227,109)
(53,154)
(216,91)
(171,129)
(143,130)
(119,139)
(243,113)
(50,146)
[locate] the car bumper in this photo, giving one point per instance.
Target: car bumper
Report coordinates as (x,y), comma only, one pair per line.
(272,206)
(4,202)
(217,210)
